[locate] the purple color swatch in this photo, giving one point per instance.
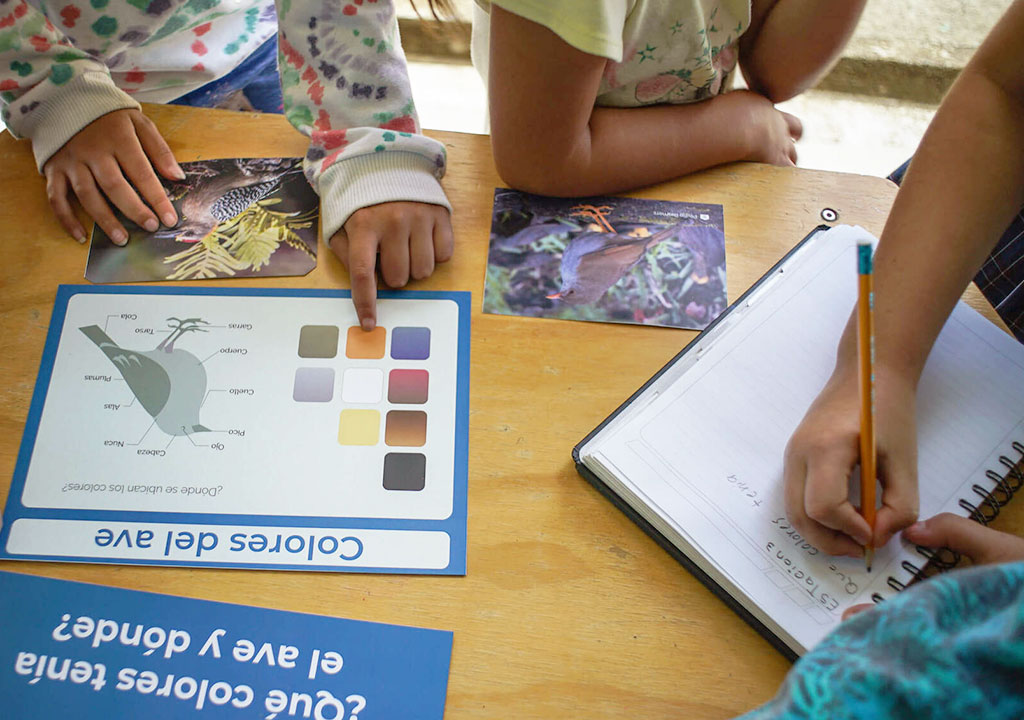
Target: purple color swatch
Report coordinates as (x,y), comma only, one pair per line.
(410,343)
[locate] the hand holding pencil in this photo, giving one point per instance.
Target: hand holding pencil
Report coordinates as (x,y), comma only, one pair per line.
(825,450)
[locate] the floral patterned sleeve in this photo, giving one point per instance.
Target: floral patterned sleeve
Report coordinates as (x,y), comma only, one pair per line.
(950,647)
(346,86)
(49,89)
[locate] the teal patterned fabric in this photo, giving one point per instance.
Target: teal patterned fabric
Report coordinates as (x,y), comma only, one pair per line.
(951,647)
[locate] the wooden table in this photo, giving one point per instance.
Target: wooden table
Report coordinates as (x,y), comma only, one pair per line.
(568,609)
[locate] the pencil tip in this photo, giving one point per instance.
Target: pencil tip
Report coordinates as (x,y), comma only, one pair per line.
(869,555)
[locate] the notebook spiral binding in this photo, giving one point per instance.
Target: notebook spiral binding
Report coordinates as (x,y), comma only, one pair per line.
(984,509)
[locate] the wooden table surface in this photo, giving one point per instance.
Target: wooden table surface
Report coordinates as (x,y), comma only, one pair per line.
(567,609)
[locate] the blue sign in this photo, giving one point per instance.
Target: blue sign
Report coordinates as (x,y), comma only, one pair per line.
(103,653)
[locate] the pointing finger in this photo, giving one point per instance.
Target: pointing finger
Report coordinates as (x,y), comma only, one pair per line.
(361,260)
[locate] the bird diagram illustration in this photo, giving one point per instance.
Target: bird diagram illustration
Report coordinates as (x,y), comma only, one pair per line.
(169,383)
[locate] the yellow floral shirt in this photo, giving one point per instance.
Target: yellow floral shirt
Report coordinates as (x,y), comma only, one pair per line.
(658,51)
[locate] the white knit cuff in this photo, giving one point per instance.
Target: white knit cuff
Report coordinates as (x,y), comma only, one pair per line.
(393,176)
(60,116)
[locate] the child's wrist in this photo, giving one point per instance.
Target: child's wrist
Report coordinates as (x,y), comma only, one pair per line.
(749,114)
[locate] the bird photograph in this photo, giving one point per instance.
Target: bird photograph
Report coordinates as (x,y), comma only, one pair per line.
(606,259)
(237,217)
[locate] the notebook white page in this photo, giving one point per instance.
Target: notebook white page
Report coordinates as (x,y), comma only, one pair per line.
(699,454)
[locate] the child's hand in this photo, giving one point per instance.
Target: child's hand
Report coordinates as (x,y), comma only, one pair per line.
(773,133)
(410,237)
(108,160)
(982,545)
(824,450)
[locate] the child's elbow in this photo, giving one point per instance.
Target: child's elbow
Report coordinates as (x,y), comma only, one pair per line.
(538,173)
(531,179)
(773,85)
(781,92)
(776,90)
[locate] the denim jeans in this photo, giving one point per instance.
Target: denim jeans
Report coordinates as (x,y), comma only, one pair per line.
(256,78)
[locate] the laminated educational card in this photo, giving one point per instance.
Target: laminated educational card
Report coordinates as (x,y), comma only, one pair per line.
(247,428)
(606,259)
(94,653)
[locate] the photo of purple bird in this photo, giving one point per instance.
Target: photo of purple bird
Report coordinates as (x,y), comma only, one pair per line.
(606,259)
(594,261)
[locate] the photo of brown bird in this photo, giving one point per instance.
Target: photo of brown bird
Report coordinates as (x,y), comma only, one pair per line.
(208,196)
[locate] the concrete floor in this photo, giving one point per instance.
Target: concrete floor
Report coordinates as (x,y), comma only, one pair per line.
(842,132)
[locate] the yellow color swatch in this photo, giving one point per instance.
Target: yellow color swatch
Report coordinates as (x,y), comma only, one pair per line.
(359,427)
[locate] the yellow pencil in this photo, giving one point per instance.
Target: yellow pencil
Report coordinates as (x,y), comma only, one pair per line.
(866,366)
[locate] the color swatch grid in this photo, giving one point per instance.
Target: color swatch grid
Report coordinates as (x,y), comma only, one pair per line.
(361,426)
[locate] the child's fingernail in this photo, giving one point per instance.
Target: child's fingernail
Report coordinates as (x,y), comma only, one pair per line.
(80,237)
(916,527)
(151,225)
(120,237)
(170,220)
(178,173)
(367,324)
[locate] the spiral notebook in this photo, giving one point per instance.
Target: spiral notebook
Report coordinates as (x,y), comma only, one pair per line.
(695,455)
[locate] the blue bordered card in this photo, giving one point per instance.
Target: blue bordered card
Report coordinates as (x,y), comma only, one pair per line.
(112,653)
(247,428)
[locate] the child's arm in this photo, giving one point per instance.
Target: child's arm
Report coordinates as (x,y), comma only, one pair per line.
(87,135)
(345,85)
(791,44)
(963,187)
(549,138)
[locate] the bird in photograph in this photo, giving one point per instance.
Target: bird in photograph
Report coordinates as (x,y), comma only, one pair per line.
(596,259)
(210,196)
